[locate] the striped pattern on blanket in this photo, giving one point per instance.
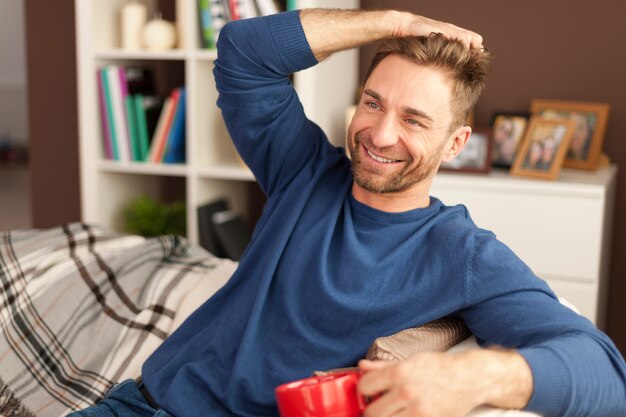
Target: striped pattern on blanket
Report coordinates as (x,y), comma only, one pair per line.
(81,307)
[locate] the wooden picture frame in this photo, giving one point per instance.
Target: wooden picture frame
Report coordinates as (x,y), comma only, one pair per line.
(475,156)
(587,139)
(507,131)
(544,147)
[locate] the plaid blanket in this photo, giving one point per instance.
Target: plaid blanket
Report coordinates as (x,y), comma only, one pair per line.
(81,308)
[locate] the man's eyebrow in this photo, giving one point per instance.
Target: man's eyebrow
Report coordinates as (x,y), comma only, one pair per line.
(407,110)
(418,113)
(373,94)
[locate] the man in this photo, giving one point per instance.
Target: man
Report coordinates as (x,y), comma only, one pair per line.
(349,251)
(548,151)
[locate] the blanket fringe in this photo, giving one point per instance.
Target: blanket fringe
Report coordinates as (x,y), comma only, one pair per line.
(10,406)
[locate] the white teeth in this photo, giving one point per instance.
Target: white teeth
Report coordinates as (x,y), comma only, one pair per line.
(379,158)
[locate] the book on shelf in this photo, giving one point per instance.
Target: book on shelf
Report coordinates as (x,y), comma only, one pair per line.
(267,7)
(170,128)
(108,108)
(175,146)
(206,25)
(160,135)
(142,125)
(233,9)
(133,132)
(119,113)
(122,125)
(214,14)
(107,140)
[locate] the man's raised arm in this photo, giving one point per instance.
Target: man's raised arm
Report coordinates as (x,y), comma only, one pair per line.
(332,30)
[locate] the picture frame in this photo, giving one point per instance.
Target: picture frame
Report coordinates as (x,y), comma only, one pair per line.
(543,148)
(475,157)
(587,139)
(507,131)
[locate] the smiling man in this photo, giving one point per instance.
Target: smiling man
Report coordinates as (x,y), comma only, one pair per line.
(347,251)
(396,145)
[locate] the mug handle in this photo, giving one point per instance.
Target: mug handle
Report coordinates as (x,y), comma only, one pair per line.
(362,402)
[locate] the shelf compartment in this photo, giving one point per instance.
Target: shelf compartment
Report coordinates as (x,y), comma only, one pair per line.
(106,20)
(226,172)
(147,168)
(121,54)
(118,190)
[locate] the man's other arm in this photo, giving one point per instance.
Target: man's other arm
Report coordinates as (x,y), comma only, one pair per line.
(332,30)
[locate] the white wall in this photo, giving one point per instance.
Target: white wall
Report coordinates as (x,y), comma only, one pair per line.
(13,88)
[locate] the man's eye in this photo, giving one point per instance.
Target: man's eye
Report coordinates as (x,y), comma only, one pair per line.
(372,105)
(414,122)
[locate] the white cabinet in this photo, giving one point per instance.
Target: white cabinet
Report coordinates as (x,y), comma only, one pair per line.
(212,169)
(561,229)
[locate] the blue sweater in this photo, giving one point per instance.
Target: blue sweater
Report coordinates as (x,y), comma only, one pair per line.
(325,275)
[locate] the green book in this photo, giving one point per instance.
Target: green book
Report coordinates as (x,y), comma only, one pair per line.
(206,24)
(107,95)
(133,134)
(142,127)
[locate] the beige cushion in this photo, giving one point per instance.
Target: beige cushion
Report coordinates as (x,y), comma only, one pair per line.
(437,336)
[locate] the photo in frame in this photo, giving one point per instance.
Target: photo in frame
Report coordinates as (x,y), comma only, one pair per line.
(590,120)
(507,132)
(475,157)
(543,148)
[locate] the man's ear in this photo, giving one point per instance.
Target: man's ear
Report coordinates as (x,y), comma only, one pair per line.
(456,143)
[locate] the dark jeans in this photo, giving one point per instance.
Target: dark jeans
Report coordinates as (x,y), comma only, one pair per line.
(123,400)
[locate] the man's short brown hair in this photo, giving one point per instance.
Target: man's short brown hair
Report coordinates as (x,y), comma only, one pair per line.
(466,68)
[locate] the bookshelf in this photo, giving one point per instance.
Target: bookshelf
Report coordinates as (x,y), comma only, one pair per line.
(212,169)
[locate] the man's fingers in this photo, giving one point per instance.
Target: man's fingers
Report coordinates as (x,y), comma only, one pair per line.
(468,38)
(378,377)
(424,26)
(367,365)
(387,405)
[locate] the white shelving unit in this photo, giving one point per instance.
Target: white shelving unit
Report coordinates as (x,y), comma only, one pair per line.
(561,229)
(212,169)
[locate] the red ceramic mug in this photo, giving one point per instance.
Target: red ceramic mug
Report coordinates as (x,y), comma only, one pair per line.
(332,395)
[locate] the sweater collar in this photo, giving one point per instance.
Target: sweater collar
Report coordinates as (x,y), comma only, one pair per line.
(410,216)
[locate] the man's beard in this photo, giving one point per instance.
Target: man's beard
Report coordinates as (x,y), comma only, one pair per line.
(378,180)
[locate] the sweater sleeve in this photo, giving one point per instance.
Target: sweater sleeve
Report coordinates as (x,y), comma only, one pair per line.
(262,112)
(577,370)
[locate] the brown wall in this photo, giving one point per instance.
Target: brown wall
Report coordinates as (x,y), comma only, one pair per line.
(556,49)
(52,109)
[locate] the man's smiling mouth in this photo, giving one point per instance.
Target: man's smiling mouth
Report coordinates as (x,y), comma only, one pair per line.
(380,158)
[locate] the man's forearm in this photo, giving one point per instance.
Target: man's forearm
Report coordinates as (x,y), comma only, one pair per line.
(332,30)
(504,379)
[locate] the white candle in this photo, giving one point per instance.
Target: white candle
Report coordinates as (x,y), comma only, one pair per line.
(134,17)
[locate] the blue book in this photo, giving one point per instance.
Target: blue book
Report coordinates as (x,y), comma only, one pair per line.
(175,152)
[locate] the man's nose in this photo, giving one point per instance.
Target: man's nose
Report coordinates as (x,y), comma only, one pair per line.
(385,132)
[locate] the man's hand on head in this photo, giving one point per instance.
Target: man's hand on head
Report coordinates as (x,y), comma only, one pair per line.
(332,30)
(409,24)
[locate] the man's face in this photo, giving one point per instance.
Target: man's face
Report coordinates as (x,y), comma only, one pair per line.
(401,126)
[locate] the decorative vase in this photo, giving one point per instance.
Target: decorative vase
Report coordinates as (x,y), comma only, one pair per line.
(159,35)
